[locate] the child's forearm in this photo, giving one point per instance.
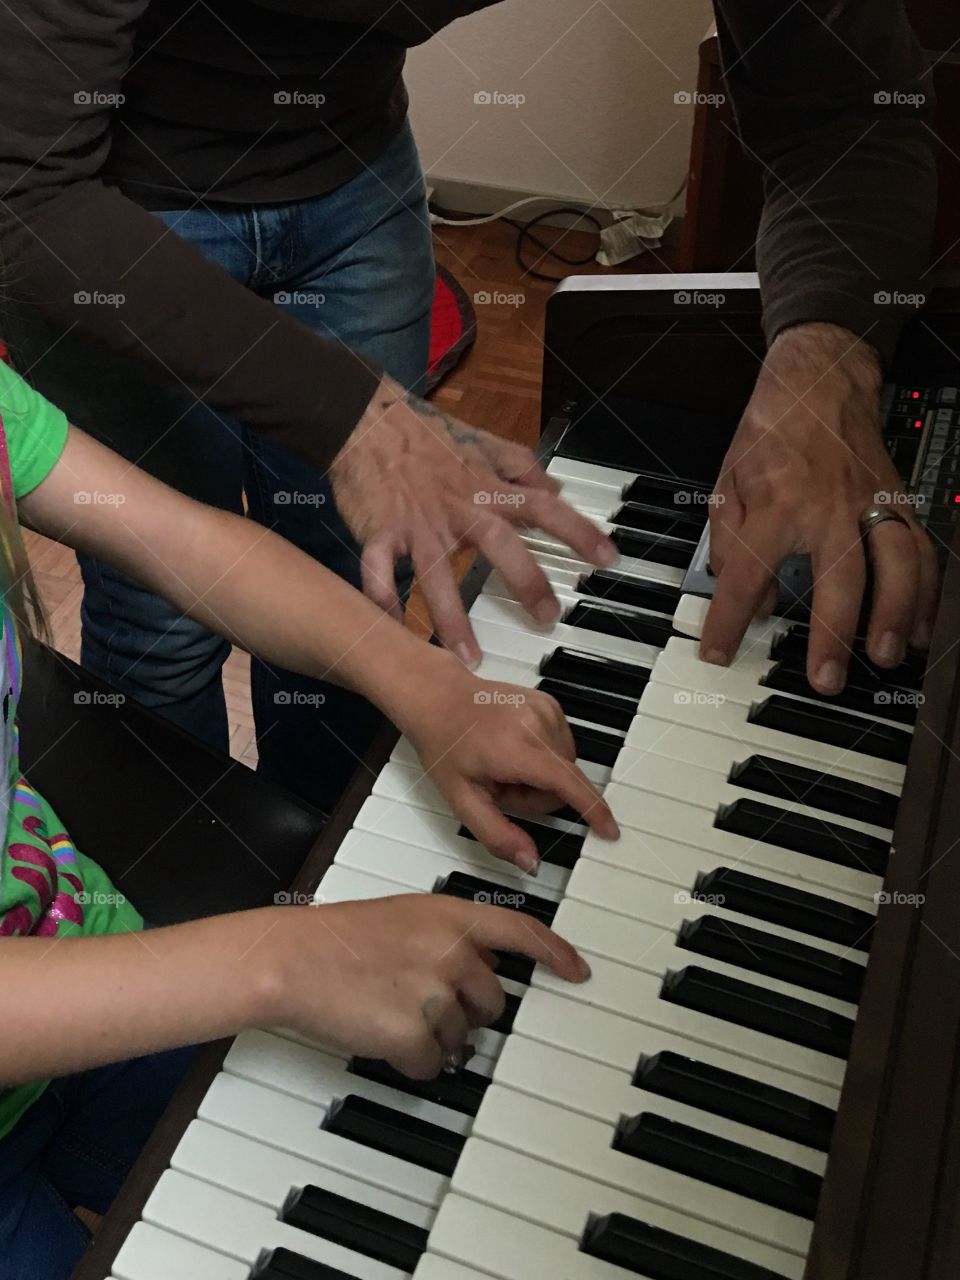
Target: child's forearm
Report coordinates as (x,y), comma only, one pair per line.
(131,994)
(283,606)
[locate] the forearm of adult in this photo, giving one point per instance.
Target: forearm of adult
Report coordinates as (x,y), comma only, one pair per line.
(835,103)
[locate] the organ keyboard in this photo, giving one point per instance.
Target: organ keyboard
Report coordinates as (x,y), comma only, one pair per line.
(751,941)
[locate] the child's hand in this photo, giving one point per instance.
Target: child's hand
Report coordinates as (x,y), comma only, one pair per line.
(403,978)
(493,746)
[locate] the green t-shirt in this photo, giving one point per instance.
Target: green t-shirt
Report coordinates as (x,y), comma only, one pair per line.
(47,887)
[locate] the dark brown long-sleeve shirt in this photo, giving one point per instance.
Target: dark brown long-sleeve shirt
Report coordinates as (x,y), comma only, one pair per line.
(825,91)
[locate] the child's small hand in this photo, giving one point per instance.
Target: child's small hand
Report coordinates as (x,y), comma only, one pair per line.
(403,978)
(489,747)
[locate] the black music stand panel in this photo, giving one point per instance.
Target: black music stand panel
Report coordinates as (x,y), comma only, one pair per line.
(183,831)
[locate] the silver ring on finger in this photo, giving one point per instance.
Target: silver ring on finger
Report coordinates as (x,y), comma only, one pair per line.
(872,516)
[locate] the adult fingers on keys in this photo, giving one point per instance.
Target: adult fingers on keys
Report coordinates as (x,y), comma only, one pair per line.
(839,577)
(750,561)
(515,462)
(894,553)
(726,514)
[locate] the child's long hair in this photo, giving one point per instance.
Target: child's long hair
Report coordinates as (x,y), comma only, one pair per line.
(17,582)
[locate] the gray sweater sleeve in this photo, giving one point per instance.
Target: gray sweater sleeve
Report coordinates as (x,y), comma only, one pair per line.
(63,232)
(833,98)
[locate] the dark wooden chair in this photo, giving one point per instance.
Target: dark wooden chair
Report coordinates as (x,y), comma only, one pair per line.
(183,831)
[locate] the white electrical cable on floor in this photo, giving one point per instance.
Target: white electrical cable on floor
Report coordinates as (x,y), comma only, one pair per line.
(439,221)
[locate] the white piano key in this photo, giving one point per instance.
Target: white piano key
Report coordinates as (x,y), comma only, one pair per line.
(151,1254)
(681,669)
(636,995)
(668,902)
(244,1230)
(543,547)
(321,1078)
(590,473)
(646,818)
(511,617)
(531,646)
(380,856)
(585,496)
(567,587)
(691,614)
(267,1176)
(653,949)
(508,1248)
(563,1200)
(272,1118)
(427,830)
(432,1267)
(343,884)
(729,720)
(603,1093)
(648,734)
(618,1041)
(707,789)
(563,581)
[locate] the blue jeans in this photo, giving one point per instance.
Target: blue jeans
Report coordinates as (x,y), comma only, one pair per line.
(74,1147)
(357,267)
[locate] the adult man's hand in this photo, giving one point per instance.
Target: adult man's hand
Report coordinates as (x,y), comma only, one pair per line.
(412,480)
(807,460)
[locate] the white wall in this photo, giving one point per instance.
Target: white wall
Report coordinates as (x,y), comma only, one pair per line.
(599,122)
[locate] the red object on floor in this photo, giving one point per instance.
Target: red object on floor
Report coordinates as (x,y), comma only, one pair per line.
(453,330)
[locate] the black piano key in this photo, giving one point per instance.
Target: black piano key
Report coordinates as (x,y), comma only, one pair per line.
(609,709)
(736,1097)
(668,492)
(802,833)
(797,909)
(682,522)
(820,723)
(611,620)
(396,1134)
(747,1004)
(514,967)
(874,701)
(596,745)
(460,884)
(283,1264)
(461,1090)
(624,588)
(766,953)
(791,649)
(661,1255)
(660,549)
(719,1162)
(567,813)
(559,848)
(803,785)
(356,1226)
(504,1024)
(592,671)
